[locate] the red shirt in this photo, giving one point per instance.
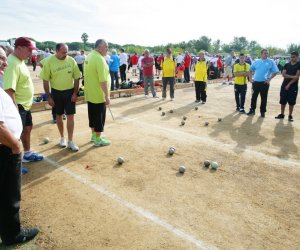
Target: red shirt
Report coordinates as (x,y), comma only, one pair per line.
(160,59)
(34,58)
(219,63)
(148,71)
(134,59)
(187,61)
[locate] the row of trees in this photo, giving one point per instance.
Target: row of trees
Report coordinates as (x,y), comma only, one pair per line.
(238,44)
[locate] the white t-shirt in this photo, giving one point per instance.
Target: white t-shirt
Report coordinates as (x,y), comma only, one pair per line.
(46,54)
(9,114)
(123,58)
(1,82)
(107,59)
(140,62)
(79,59)
(179,58)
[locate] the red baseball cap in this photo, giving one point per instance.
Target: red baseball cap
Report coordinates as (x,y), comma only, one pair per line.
(24,41)
(169,51)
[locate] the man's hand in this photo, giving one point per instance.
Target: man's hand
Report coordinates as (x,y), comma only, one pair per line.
(74,97)
(50,101)
(17,148)
(267,82)
(107,100)
(287,87)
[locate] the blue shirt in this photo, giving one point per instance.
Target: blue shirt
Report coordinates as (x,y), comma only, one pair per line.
(114,63)
(228,60)
(263,69)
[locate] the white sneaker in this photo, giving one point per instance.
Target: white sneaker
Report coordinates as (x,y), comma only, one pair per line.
(202,102)
(72,146)
(146,96)
(62,142)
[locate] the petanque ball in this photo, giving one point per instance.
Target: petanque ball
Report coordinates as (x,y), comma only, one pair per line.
(181,169)
(214,165)
(219,119)
(171,150)
(46,140)
(163,113)
(206,163)
(196,108)
(120,160)
(159,108)
(206,123)
(182,123)
(171,111)
(184,118)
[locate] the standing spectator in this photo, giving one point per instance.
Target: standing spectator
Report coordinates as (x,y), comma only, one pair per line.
(18,84)
(134,61)
(220,67)
(228,68)
(34,60)
(114,65)
(265,69)
(47,53)
(168,74)
(241,72)
(159,61)
(180,72)
(10,169)
(147,65)
(201,70)
(179,59)
(97,91)
(248,60)
(141,79)
(129,63)
(187,64)
(79,58)
(289,87)
(62,74)
(123,64)
(281,64)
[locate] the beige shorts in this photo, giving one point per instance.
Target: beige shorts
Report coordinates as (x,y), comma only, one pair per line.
(134,66)
(228,71)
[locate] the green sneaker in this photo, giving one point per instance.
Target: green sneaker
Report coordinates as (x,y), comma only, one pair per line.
(93,138)
(101,142)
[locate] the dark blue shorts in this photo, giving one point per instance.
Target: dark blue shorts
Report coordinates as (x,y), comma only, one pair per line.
(288,96)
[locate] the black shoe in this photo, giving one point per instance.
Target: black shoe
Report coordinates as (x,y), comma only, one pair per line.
(280,116)
(237,109)
(291,119)
(24,236)
(242,111)
(262,114)
(197,101)
(251,112)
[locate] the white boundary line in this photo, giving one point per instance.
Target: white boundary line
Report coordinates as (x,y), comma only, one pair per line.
(139,210)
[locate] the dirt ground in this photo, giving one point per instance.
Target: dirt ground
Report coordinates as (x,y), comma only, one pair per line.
(85,200)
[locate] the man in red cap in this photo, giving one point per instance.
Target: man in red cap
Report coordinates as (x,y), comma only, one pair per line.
(18,84)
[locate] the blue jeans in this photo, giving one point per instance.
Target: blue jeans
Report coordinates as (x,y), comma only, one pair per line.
(171,81)
(114,77)
(149,80)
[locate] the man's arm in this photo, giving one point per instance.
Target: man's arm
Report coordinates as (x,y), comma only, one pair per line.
(47,92)
(12,94)
(105,90)
(7,139)
(76,87)
(293,80)
(285,75)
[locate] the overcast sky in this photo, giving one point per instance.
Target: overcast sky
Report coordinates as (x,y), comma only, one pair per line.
(152,22)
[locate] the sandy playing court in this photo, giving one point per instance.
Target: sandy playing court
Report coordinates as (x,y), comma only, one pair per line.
(85,200)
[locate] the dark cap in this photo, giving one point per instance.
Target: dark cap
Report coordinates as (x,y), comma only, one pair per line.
(24,42)
(169,51)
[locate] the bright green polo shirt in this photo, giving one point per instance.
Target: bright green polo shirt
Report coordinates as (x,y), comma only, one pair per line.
(60,73)
(17,77)
(96,71)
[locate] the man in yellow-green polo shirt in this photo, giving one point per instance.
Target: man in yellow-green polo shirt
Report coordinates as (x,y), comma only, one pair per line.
(18,84)
(168,74)
(62,73)
(241,72)
(97,90)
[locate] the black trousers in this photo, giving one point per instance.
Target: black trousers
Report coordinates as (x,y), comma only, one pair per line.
(171,81)
(80,66)
(187,77)
(34,65)
(10,193)
(97,115)
(200,88)
(240,95)
(123,72)
(260,88)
